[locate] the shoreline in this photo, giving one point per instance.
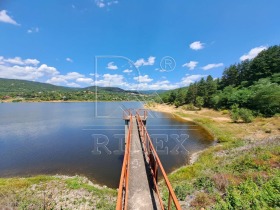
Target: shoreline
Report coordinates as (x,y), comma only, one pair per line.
(70,101)
(192,157)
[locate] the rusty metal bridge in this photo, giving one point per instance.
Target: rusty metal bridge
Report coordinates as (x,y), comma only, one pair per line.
(138,188)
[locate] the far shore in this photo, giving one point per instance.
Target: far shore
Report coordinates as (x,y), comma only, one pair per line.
(58,101)
(218,122)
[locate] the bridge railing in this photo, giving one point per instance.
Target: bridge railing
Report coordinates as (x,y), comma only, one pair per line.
(155,164)
(123,185)
(127,113)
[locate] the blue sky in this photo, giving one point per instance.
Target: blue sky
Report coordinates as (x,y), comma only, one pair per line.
(125,43)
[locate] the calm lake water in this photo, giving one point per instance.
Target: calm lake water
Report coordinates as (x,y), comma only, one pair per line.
(60,138)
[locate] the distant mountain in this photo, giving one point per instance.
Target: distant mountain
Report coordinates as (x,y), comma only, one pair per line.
(16,85)
(109,89)
(151,91)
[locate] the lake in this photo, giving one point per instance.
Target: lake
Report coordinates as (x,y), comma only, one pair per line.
(65,138)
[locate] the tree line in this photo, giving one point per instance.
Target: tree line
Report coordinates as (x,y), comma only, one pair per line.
(252,85)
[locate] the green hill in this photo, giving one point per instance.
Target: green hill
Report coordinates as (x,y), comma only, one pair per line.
(15,85)
(22,90)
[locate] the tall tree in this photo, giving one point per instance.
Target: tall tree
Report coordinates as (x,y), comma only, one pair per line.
(192,93)
(211,89)
(230,76)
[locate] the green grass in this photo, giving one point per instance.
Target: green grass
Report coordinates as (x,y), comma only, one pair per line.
(249,179)
(77,183)
(19,183)
(35,192)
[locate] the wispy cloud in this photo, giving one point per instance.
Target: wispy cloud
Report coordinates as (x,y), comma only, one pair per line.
(127,71)
(4,17)
(142,62)
(105,3)
(85,80)
(188,79)
(212,66)
(18,61)
(112,66)
(109,80)
(33,30)
(252,53)
(191,65)
(197,45)
(143,79)
(69,60)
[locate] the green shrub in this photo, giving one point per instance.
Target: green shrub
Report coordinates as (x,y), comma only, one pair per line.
(234,116)
(249,195)
(189,107)
(224,112)
(181,191)
(204,183)
(234,113)
(246,115)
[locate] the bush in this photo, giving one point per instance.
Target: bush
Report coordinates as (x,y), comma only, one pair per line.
(224,112)
(249,195)
(234,116)
(181,191)
(201,200)
(204,183)
(246,115)
(199,101)
(189,107)
(234,113)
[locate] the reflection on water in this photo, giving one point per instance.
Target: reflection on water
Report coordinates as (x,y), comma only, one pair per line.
(58,138)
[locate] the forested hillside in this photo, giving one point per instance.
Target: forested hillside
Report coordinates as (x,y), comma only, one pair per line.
(251,87)
(21,90)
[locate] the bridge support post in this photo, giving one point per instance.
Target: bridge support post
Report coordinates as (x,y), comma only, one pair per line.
(126,128)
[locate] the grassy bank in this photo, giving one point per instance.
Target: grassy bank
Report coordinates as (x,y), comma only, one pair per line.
(54,192)
(241,172)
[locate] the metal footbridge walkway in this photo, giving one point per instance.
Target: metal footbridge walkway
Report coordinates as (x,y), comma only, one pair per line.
(138,187)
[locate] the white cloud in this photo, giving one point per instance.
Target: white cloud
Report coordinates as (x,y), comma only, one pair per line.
(253,53)
(48,70)
(72,76)
(18,68)
(105,3)
(212,66)
(142,62)
(69,60)
(162,85)
(4,17)
(33,30)
(197,45)
(191,65)
(64,79)
(109,80)
(56,80)
(26,72)
(85,80)
(159,85)
(94,75)
(127,71)
(188,79)
(112,66)
(72,84)
(20,61)
(143,79)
